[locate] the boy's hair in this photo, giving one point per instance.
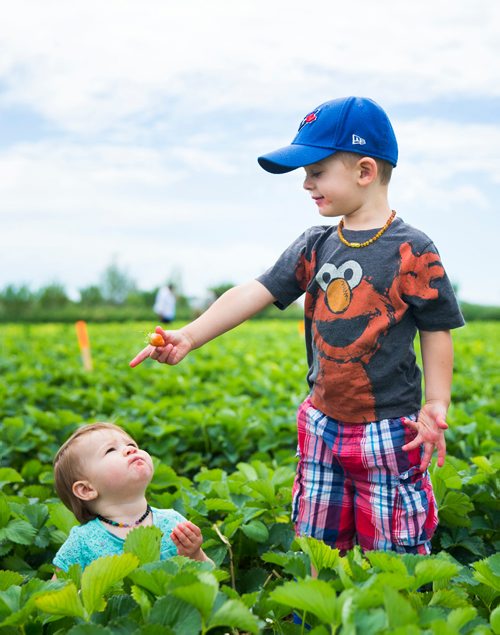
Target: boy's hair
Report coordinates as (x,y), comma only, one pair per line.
(68,469)
(384,167)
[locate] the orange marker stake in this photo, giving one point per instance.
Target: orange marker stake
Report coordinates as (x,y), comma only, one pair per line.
(84,344)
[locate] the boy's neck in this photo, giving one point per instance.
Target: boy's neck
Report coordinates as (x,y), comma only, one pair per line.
(368,217)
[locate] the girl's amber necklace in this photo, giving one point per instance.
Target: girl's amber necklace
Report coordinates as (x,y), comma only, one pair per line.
(370,240)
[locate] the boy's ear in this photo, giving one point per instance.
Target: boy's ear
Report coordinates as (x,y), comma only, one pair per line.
(368,170)
(84,490)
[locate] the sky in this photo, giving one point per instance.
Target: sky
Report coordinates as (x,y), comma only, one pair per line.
(130,129)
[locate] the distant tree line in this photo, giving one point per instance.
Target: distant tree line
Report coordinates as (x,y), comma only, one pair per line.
(117,298)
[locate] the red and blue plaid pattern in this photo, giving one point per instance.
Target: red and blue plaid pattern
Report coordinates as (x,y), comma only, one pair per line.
(354,483)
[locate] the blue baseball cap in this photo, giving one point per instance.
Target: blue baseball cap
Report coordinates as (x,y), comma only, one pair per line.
(349,124)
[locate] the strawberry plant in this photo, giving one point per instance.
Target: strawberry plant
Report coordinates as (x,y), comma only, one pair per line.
(221,430)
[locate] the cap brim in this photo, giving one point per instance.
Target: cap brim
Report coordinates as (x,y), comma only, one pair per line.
(292,157)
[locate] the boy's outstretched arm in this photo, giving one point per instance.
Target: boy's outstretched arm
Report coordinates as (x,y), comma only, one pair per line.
(437,359)
(232,308)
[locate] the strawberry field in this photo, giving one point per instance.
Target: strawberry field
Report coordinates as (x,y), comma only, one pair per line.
(221,429)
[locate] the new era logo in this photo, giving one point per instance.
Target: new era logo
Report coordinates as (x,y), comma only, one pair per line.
(358,141)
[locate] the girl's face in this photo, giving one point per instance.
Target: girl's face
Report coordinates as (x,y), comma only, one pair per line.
(113,464)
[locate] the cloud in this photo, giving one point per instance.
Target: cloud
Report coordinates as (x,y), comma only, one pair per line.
(92,66)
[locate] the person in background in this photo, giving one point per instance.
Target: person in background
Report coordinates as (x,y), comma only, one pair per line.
(165,303)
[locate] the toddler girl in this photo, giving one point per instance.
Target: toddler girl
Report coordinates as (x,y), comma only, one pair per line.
(102,475)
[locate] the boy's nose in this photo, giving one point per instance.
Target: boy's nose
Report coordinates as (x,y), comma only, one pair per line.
(129,449)
(307,184)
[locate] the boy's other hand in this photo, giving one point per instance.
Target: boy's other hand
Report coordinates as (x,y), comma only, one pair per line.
(177,346)
(430,427)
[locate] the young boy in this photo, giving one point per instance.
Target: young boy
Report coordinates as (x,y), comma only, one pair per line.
(364,440)
(101,475)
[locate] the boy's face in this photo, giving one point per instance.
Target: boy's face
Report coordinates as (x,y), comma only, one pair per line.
(113,464)
(333,185)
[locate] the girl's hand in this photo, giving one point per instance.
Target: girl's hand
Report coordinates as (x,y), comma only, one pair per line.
(177,346)
(430,427)
(188,539)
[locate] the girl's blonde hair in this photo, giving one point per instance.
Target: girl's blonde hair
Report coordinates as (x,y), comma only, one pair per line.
(68,469)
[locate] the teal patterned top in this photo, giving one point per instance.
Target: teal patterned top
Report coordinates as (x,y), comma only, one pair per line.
(92,540)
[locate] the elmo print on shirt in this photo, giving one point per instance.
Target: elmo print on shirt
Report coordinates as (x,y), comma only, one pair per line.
(350,319)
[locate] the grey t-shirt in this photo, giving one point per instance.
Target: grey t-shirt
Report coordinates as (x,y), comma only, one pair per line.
(362,310)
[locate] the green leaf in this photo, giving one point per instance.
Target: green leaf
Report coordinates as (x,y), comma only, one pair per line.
(458,618)
(448,474)
(9,475)
(265,488)
(100,575)
(484,464)
(156,581)
(310,595)
(142,599)
(388,562)
(455,509)
(495,620)
(10,599)
(172,611)
(200,594)
(20,532)
(4,511)
(61,517)
(37,514)
(486,571)
(256,531)
(434,570)
(321,555)
(220,505)
(9,578)
(235,614)
(399,611)
(65,601)
(89,629)
(145,543)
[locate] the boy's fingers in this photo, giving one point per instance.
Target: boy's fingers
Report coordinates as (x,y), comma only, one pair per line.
(140,357)
(426,458)
(441,449)
(410,423)
(442,423)
(411,445)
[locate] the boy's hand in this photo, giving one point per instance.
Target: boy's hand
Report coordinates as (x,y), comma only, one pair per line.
(188,539)
(430,427)
(177,346)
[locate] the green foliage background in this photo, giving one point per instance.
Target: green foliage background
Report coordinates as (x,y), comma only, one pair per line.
(221,429)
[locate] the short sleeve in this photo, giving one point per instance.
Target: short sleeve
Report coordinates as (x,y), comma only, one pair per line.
(70,551)
(286,280)
(428,290)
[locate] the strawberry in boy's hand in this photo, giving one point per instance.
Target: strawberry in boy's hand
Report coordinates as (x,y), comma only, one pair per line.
(156,339)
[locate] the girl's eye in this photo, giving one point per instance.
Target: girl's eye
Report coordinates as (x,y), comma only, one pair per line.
(109,450)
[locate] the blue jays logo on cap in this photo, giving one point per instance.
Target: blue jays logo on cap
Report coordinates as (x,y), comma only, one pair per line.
(309,118)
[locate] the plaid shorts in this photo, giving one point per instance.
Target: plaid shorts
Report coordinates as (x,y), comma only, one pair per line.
(354,483)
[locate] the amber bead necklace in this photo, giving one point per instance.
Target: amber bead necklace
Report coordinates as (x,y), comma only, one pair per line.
(370,240)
